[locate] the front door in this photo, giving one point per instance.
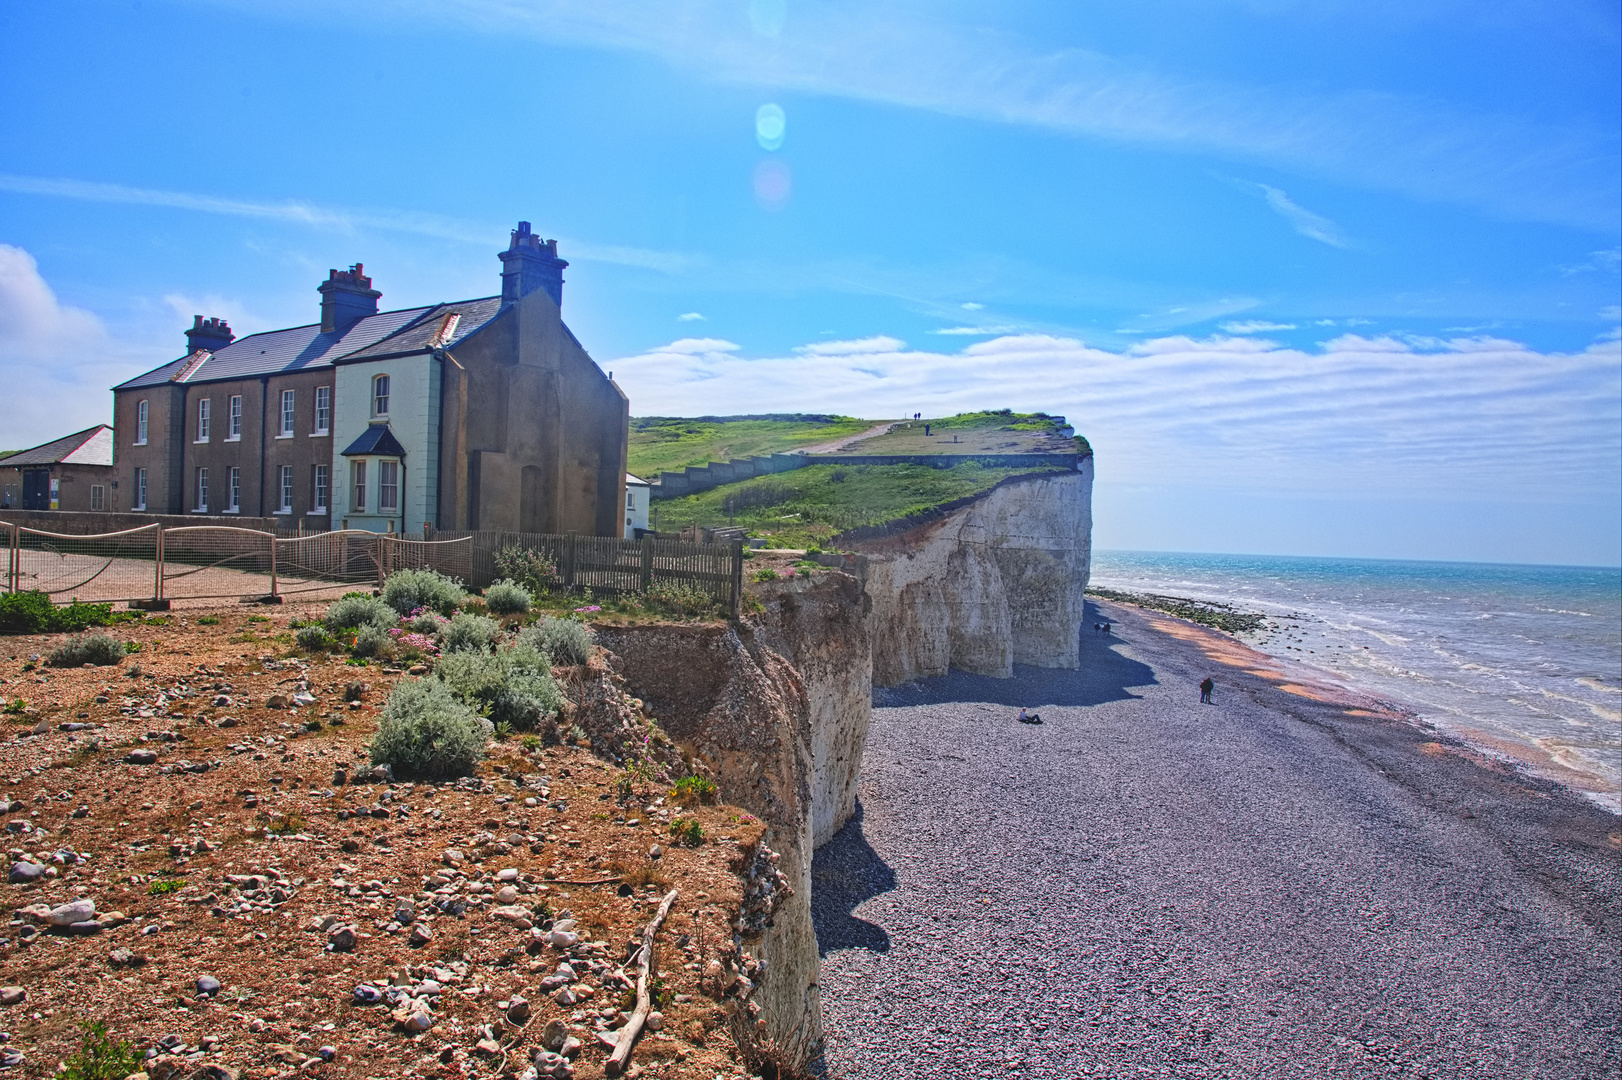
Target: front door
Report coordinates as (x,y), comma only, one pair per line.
(36,489)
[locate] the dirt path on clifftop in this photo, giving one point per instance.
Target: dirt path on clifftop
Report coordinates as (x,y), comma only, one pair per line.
(1144,886)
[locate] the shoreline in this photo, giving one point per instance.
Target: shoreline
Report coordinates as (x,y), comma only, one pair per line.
(1305,679)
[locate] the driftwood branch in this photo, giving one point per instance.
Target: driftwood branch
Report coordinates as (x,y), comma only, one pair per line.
(621,1057)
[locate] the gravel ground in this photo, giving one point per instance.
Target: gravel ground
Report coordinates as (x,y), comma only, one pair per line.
(1145,886)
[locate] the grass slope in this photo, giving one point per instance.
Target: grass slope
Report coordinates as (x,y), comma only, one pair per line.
(805,508)
(1000,431)
(660,443)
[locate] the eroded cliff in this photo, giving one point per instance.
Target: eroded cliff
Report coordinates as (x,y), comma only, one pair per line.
(995,583)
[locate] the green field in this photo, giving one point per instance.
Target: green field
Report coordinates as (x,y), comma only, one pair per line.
(805,508)
(990,432)
(661,443)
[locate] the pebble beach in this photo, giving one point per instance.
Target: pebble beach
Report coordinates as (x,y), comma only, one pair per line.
(1292,881)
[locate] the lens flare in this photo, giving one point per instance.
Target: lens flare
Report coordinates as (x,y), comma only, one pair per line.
(771,125)
(768,16)
(773,184)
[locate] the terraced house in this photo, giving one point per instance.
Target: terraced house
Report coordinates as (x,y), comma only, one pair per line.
(475,414)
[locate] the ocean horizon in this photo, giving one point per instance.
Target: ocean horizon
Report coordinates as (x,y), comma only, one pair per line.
(1521,660)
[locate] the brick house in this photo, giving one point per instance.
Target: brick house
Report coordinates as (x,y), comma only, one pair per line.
(74,472)
(482,413)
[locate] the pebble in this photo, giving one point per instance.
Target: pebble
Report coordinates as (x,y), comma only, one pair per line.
(656,1021)
(122,958)
(142,757)
(419,1020)
(518,1011)
(341,938)
(207,986)
(12,995)
(367,994)
(24,872)
(518,916)
(507,876)
(420,935)
(507,894)
(405,912)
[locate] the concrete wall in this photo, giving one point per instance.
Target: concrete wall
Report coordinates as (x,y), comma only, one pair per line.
(413,418)
(534,435)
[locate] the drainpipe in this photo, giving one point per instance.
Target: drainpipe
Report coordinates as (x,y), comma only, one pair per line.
(264,403)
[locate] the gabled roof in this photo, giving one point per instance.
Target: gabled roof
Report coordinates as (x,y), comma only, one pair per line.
(377,440)
(636,481)
(92,446)
(301,348)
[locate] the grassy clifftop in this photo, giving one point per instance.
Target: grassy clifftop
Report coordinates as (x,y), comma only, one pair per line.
(806,507)
(660,443)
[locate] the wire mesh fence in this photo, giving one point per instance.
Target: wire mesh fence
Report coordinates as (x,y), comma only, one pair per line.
(117,566)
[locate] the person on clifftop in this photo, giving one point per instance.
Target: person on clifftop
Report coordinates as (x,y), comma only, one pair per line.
(1205,690)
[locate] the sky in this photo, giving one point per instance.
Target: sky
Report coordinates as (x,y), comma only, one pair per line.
(1331,278)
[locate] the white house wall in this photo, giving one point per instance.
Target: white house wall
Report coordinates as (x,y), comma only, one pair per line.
(414,420)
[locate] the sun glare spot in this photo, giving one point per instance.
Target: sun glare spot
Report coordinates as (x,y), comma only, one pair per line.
(773,184)
(771,124)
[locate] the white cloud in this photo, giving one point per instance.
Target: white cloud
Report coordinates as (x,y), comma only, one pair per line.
(56,361)
(691,316)
(862,346)
(699,346)
(1258,326)
(334,218)
(1313,226)
(1370,416)
(972,306)
(911,56)
(975,331)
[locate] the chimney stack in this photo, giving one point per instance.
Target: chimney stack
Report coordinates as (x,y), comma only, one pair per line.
(346,297)
(211,334)
(530,263)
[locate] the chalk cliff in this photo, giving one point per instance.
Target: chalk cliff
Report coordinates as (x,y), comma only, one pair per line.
(994,583)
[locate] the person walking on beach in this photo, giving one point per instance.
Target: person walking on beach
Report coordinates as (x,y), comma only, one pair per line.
(1205,690)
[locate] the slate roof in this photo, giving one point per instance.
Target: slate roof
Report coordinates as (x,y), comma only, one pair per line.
(376,439)
(301,348)
(636,481)
(92,446)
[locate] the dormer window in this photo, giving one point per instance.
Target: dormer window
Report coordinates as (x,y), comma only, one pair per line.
(380,396)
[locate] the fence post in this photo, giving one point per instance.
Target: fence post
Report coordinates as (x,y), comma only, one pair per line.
(568,561)
(647,563)
(273,561)
(382,554)
(14,551)
(157,569)
(737,579)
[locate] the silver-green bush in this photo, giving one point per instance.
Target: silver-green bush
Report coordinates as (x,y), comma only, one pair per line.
(507,598)
(371,641)
(354,611)
(315,638)
(471,632)
(511,687)
(407,590)
(99,649)
(428,623)
(566,641)
(426,733)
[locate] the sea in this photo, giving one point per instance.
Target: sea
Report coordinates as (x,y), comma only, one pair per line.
(1522,662)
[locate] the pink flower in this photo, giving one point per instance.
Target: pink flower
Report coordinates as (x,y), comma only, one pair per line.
(590,607)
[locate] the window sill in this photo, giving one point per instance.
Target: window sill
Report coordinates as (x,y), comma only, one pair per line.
(320,434)
(285,435)
(232,438)
(319,511)
(281,513)
(232,510)
(202,510)
(141,443)
(199,442)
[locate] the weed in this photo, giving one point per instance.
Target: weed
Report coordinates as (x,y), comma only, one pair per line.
(163,886)
(207,620)
(408,590)
(103,650)
(503,731)
(15,706)
(507,598)
(100,1057)
(254,618)
(765,573)
(681,599)
(640,875)
(691,791)
(286,824)
(532,742)
(33,613)
(687,830)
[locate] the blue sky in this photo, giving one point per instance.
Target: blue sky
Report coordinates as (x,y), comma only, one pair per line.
(1320,278)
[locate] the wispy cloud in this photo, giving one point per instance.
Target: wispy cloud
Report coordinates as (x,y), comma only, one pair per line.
(971,306)
(975,331)
(1304,221)
(1354,415)
(333,218)
(911,56)
(690,316)
(1256,326)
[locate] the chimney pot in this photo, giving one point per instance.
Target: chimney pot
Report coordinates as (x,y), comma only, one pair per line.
(530,263)
(347,297)
(212,334)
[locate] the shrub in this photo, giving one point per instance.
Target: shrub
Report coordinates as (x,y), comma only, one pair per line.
(426,622)
(100,649)
(691,791)
(682,599)
(357,610)
(314,638)
(507,598)
(512,687)
(471,633)
(566,641)
(426,733)
(371,641)
(407,590)
(765,573)
(33,613)
(528,567)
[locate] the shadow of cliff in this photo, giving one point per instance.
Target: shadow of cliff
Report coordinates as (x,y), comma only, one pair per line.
(1105,675)
(844,872)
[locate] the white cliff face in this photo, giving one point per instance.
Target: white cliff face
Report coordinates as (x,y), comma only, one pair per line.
(993,584)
